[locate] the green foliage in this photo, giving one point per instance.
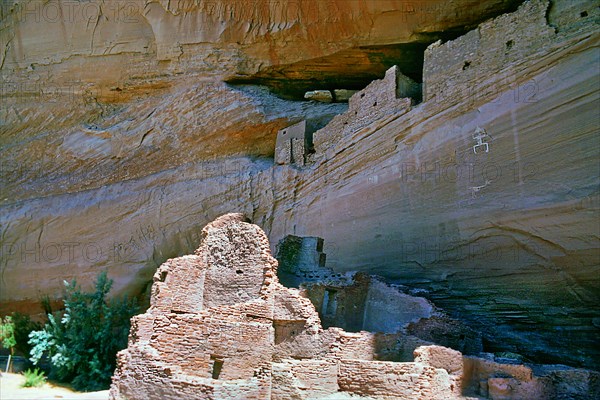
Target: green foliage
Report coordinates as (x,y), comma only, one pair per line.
(34,378)
(23,326)
(46,304)
(7,333)
(82,344)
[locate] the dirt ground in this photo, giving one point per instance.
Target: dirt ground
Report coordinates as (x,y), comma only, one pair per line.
(10,388)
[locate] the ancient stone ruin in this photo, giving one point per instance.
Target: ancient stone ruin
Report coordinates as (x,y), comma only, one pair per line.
(382,98)
(221,326)
(436,152)
(293,144)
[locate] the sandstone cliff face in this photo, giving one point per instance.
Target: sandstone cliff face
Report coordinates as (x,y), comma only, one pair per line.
(95,99)
(214,36)
(112,138)
(92,90)
(508,237)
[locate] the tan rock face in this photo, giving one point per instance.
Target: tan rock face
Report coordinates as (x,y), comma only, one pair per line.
(97,93)
(179,125)
(225,35)
(123,177)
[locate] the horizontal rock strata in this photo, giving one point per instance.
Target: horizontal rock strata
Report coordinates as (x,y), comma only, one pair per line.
(485,195)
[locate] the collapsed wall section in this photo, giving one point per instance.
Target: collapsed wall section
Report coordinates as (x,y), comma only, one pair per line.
(265,341)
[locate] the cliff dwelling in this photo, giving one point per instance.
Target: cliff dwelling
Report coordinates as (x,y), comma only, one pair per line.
(221,326)
(300,199)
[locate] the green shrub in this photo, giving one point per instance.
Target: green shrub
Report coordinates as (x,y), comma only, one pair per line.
(7,337)
(7,333)
(34,378)
(82,343)
(23,327)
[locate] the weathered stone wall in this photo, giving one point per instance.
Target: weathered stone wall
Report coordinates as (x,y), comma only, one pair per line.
(571,16)
(388,380)
(233,278)
(292,144)
(377,101)
(294,379)
(363,302)
(266,341)
(483,52)
(199,345)
(176,298)
(201,340)
(302,257)
(497,380)
(339,302)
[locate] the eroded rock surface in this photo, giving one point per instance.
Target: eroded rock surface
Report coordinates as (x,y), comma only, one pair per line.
(506,238)
(485,195)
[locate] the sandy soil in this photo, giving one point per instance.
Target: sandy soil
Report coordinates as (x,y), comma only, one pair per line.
(10,388)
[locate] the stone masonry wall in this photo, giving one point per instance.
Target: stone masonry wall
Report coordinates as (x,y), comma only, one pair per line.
(291,144)
(304,378)
(377,101)
(221,326)
(389,380)
(479,54)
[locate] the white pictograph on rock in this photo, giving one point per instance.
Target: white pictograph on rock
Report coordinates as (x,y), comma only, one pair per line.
(479,135)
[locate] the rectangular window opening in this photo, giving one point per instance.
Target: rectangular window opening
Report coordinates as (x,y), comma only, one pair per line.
(329,303)
(216,367)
